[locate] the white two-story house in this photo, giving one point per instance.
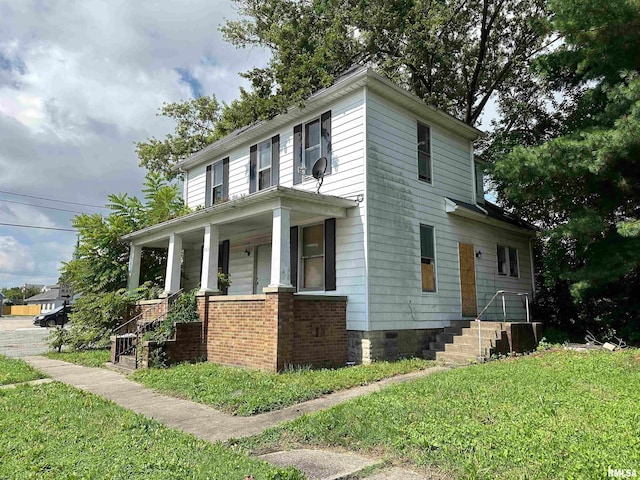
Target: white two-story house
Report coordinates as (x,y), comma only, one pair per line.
(399,227)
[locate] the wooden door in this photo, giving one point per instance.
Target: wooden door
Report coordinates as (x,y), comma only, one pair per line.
(468,280)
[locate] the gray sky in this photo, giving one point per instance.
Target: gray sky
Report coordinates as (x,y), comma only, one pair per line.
(80,81)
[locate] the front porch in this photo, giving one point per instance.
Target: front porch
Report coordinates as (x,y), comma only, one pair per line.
(278,247)
(279,238)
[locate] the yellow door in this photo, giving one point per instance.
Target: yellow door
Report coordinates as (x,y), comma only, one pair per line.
(468,280)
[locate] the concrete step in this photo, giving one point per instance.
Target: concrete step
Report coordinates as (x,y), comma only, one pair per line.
(471,348)
(460,345)
(126,362)
(459,358)
(468,336)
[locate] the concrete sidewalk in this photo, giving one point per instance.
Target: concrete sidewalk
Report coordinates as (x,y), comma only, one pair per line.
(194,418)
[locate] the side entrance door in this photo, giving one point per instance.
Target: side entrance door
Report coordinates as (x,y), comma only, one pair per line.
(262,268)
(468,280)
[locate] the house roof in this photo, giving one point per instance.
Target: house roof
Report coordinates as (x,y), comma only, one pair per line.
(345,84)
(488,211)
(49,295)
(247,206)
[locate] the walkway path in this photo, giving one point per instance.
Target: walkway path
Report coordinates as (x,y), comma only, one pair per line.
(194,418)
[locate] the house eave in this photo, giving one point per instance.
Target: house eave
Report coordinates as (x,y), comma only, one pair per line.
(482,216)
(255,203)
(345,85)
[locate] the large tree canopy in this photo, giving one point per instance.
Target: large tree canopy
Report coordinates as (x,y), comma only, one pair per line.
(454,54)
(583,186)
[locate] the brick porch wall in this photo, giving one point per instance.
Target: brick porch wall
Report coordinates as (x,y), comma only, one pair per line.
(150,310)
(320,334)
(274,330)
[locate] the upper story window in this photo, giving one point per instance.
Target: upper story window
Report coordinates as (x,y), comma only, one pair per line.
(479,181)
(424,153)
(311,145)
(427,258)
(217,183)
(508,261)
(264,164)
(311,141)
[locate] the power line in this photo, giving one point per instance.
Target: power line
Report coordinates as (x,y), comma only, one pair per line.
(35,226)
(53,200)
(40,206)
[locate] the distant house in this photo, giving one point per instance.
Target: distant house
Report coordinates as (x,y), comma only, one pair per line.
(397,243)
(48,299)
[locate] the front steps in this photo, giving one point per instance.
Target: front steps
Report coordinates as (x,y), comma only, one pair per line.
(125,363)
(459,342)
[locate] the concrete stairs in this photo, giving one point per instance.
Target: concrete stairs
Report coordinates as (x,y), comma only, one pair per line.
(458,343)
(126,363)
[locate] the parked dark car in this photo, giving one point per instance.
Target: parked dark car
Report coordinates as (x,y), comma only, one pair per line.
(53,318)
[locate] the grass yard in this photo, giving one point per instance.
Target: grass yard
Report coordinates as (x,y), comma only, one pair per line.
(246,392)
(13,370)
(87,358)
(54,431)
(557,414)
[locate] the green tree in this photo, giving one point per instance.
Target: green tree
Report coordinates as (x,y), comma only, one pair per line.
(456,55)
(18,293)
(100,262)
(583,185)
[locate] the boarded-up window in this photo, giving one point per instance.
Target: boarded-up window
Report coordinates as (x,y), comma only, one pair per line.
(424,153)
(427,258)
(313,257)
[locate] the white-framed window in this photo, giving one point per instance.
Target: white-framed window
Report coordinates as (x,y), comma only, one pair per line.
(479,182)
(312,256)
(312,147)
(508,261)
(264,164)
(217,183)
(428,258)
(424,153)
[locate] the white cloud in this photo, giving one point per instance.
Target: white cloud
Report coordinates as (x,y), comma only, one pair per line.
(80,82)
(15,258)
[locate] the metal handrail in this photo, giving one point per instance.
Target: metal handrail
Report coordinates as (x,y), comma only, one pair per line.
(135,319)
(142,329)
(504,312)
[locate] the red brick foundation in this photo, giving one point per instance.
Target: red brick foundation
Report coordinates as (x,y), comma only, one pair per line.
(274,330)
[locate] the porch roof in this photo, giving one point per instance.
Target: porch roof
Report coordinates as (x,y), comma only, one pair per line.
(490,214)
(255,204)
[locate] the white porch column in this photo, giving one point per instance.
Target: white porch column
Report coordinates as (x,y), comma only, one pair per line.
(174,264)
(135,256)
(209,279)
(280,249)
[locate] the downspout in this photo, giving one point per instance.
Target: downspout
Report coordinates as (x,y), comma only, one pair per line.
(533,273)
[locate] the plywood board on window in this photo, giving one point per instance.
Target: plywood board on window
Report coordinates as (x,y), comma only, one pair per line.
(428,277)
(468,280)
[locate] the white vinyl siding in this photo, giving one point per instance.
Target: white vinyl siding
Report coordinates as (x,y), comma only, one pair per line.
(398,203)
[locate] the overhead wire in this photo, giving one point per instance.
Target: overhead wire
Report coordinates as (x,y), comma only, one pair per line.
(53,200)
(41,206)
(39,227)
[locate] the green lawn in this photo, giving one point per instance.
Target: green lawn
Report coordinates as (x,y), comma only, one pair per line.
(54,431)
(247,392)
(88,358)
(13,370)
(557,414)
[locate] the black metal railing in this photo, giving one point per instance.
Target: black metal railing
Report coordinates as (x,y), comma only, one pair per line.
(129,335)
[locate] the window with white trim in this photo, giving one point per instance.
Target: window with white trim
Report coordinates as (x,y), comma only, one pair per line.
(427,258)
(313,257)
(508,261)
(264,164)
(424,153)
(312,146)
(217,183)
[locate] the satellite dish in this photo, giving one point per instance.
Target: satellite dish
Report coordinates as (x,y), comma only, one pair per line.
(318,171)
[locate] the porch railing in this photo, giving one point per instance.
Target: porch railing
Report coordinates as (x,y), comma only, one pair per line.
(502,294)
(127,339)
